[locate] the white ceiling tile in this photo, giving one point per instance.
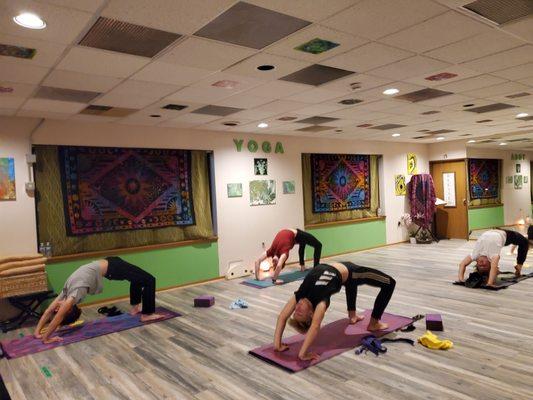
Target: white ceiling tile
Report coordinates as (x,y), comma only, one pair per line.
(287,46)
(204,95)
(476,46)
(180,16)
(47,53)
(8,112)
(281,106)
(22,73)
(82,5)
(80,81)
(93,118)
(11,101)
(278,89)
(376,18)
(17,89)
(242,100)
(527,81)
(283,66)
(157,108)
(500,89)
(206,54)
(134,88)
(63,25)
(410,67)
(367,57)
(171,73)
(235,83)
(461,72)
(254,114)
(447,100)
(516,73)
(376,93)
(505,59)
(196,119)
(316,95)
(173,123)
(66,107)
(319,10)
(119,100)
(42,114)
(435,32)
(101,62)
(361,81)
(521,28)
(319,109)
(473,83)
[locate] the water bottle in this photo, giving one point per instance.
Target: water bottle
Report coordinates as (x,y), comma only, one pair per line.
(41,249)
(48,250)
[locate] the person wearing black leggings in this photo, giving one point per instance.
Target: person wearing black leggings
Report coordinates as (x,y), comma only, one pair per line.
(280,247)
(309,303)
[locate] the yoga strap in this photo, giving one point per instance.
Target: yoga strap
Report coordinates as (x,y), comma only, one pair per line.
(403,340)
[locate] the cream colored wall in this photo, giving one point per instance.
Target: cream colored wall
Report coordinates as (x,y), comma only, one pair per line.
(17,218)
(516,202)
(242,228)
(447,150)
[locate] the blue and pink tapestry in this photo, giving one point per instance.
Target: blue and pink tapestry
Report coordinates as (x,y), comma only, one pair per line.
(483,178)
(340,182)
(115,189)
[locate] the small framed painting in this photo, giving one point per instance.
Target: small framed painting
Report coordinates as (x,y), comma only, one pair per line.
(518,167)
(526,179)
(518,181)
(509,180)
(288,187)
(234,189)
(260,166)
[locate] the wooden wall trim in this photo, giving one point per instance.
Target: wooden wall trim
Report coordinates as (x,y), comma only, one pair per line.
(345,222)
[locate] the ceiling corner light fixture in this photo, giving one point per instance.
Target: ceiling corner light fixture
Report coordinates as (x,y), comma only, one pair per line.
(155,115)
(395,134)
(265,67)
(471,141)
(440,138)
(262,125)
(503,144)
(30,21)
(391,91)
(522,115)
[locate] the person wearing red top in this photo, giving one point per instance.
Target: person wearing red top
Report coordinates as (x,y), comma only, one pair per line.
(280,247)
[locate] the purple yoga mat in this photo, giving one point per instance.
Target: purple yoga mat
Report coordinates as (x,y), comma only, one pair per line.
(102,326)
(333,339)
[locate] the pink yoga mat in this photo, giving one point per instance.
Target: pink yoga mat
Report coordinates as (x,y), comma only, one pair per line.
(28,345)
(333,339)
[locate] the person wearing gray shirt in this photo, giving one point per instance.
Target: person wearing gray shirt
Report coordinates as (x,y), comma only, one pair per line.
(87,279)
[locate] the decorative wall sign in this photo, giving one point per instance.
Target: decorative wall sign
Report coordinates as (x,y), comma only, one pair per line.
(518,181)
(260,166)
(253,146)
(509,180)
(483,178)
(526,179)
(262,192)
(518,168)
(411,164)
(399,184)
(234,189)
(288,187)
(7,179)
(448,183)
(518,156)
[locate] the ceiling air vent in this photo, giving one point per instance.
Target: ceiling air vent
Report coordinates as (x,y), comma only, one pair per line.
(17,51)
(490,108)
(501,11)
(423,94)
(77,96)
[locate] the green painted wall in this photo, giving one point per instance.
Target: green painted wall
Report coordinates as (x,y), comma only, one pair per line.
(480,218)
(348,237)
(171,267)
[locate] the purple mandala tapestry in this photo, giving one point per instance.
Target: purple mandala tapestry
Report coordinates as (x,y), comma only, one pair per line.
(483,178)
(115,189)
(340,182)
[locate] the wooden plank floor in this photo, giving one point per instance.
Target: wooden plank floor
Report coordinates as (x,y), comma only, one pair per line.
(203,355)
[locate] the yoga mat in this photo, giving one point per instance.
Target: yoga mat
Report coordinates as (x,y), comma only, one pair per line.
(503,283)
(286,277)
(333,339)
(28,345)
(4,394)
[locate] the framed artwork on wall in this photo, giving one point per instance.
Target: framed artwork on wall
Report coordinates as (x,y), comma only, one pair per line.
(399,185)
(518,167)
(526,179)
(448,183)
(234,189)
(288,187)
(7,179)
(262,193)
(509,180)
(518,181)
(411,164)
(260,166)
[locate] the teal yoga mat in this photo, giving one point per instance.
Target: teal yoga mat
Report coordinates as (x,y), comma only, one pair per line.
(286,277)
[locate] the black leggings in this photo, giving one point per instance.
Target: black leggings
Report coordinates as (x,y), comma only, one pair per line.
(522,243)
(303,238)
(368,276)
(142,284)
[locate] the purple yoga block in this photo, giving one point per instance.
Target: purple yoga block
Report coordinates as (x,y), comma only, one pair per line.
(204,301)
(434,322)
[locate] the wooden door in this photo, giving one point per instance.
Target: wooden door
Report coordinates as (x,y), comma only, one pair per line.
(451,219)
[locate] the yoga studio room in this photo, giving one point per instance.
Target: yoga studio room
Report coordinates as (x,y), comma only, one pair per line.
(266,199)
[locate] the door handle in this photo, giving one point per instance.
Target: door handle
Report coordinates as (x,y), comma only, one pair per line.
(464,202)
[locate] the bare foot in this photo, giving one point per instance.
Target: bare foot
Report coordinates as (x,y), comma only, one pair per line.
(376,326)
(135,309)
(302,268)
(256,271)
(278,282)
(518,271)
(151,317)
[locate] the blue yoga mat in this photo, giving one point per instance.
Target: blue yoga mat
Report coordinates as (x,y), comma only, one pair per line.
(286,277)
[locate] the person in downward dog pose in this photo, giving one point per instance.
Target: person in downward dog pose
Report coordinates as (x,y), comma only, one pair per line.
(86,280)
(310,302)
(487,251)
(283,242)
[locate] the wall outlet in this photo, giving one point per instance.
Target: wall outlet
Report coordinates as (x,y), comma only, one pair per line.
(30,186)
(31,158)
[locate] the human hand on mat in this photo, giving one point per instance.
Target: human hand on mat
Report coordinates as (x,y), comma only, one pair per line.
(53,339)
(282,347)
(309,357)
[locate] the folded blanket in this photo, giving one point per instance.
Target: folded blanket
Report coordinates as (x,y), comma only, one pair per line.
(24,263)
(22,270)
(19,257)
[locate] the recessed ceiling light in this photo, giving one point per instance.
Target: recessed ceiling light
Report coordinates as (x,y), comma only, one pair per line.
(440,138)
(262,125)
(338,130)
(155,116)
(522,115)
(30,21)
(468,105)
(395,134)
(265,67)
(503,144)
(391,91)
(471,141)
(230,123)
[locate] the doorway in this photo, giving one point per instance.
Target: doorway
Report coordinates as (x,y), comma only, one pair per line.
(451,219)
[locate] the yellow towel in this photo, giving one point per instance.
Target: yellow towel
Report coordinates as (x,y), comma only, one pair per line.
(432,341)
